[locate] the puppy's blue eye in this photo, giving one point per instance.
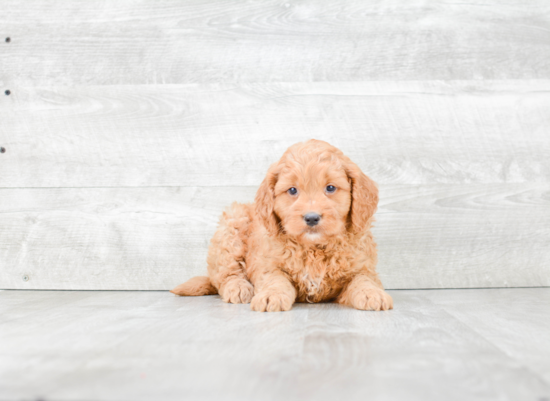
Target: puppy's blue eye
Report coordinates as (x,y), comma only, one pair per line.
(330,189)
(292,191)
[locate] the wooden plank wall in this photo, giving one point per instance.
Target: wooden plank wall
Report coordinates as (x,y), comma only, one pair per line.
(130,125)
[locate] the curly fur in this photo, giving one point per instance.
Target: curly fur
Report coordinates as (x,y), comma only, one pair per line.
(266,255)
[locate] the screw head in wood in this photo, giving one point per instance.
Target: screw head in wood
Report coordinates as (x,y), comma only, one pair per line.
(26,278)
(2,149)
(8,92)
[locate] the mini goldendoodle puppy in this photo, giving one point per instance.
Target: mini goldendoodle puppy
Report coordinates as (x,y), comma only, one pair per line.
(306,238)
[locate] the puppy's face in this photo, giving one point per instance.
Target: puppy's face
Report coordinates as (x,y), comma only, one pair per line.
(313,198)
(315,192)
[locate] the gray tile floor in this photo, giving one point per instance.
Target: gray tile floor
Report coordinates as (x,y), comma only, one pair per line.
(436,345)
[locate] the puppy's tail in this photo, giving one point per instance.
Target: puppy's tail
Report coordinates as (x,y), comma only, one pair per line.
(197,286)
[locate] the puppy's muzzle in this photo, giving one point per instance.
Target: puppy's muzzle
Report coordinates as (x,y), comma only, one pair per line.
(312,219)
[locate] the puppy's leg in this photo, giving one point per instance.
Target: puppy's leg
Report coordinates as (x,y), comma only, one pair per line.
(237,290)
(226,256)
(364,293)
(274,293)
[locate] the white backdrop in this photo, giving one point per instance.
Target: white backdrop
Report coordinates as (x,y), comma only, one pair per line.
(131,124)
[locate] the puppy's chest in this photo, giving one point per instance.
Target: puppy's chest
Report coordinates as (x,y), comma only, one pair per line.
(317,277)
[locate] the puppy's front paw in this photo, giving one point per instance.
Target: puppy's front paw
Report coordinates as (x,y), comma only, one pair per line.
(371,299)
(237,291)
(270,301)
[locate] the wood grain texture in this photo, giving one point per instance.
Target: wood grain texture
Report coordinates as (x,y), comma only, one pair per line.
(226,135)
(521,337)
(78,346)
(131,124)
(140,42)
(429,236)
(421,352)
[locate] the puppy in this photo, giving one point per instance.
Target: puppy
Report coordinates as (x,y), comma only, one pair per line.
(306,238)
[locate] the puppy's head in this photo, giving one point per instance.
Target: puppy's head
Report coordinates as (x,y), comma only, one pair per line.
(315,192)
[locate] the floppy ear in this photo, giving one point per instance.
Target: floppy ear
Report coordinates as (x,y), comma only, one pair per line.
(265,201)
(364,198)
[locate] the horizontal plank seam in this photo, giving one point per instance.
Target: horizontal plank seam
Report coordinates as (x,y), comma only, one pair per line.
(237,84)
(388,289)
(439,184)
(151,186)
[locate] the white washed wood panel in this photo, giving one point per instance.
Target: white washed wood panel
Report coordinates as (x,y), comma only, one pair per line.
(226,135)
(429,236)
(143,42)
(149,346)
(522,332)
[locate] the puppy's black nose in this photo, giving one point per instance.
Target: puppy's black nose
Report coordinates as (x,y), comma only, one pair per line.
(312,219)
